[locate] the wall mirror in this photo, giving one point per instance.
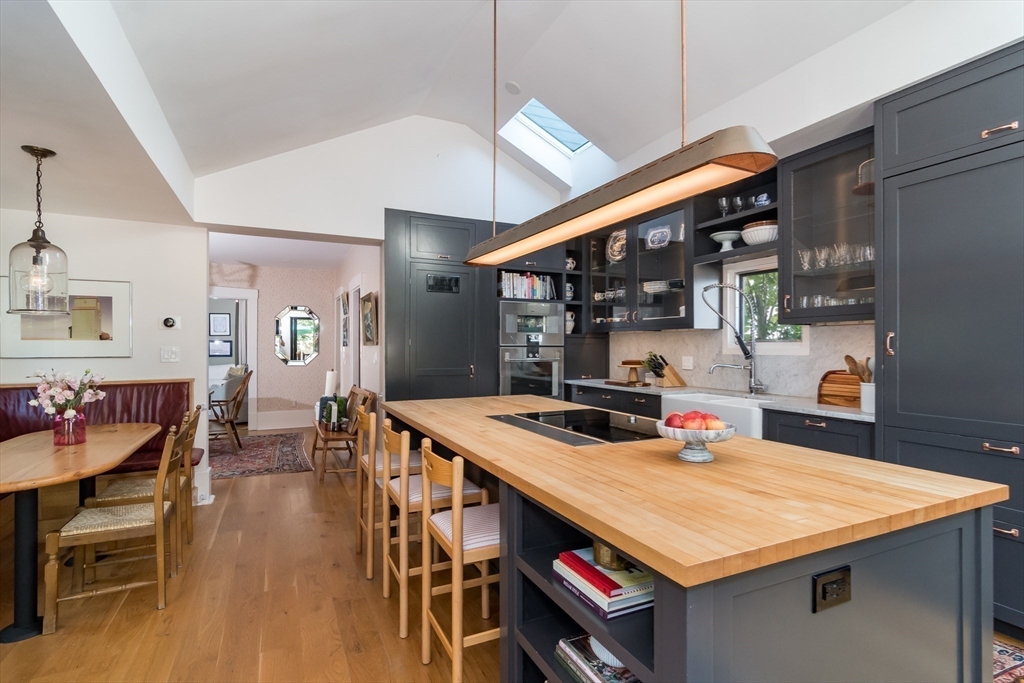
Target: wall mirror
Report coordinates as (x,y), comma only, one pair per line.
(297,337)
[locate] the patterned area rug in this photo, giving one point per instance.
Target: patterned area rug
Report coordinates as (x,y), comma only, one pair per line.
(1007,663)
(261,454)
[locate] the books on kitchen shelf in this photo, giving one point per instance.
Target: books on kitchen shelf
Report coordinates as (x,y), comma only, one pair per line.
(577,657)
(527,286)
(609,582)
(602,605)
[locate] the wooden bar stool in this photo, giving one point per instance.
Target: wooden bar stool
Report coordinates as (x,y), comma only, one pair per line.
(470,536)
(406,491)
(366,488)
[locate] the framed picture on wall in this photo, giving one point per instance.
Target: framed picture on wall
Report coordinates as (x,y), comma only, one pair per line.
(220,324)
(344,303)
(100,324)
(220,348)
(368,318)
(344,331)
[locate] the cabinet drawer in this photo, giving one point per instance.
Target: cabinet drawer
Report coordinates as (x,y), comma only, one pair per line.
(646,405)
(960,455)
(439,239)
(955,116)
(823,433)
(630,402)
(1008,567)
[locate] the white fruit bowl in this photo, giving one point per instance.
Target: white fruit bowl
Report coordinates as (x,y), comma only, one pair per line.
(761,232)
(693,449)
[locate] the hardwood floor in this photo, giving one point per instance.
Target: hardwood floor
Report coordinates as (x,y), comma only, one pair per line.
(271,590)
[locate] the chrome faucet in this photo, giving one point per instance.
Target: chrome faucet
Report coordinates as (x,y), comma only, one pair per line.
(754,384)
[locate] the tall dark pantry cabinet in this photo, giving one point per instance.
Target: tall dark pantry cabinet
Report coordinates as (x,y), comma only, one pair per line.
(950,207)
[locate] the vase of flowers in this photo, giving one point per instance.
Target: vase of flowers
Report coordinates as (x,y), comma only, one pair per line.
(63,396)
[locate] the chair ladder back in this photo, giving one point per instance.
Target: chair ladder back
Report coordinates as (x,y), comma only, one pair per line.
(437,470)
(235,404)
(170,462)
(366,437)
(190,426)
(398,444)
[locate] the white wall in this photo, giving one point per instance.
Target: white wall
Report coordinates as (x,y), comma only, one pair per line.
(363,265)
(166,265)
(342,186)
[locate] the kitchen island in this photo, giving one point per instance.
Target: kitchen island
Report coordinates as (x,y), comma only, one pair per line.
(734,546)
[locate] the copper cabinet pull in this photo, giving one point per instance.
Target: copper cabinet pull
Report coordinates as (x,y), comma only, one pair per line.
(785,303)
(586,376)
(1009,126)
(472,371)
(579,392)
(605,396)
(811,423)
(634,316)
(1009,532)
(444,257)
(986,446)
(639,400)
(888,343)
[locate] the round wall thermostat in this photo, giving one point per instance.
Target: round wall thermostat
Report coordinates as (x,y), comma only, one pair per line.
(169,322)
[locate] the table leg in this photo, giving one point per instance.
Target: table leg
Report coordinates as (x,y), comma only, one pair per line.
(86,489)
(27,622)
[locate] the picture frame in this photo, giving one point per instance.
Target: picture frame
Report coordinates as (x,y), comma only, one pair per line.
(220,324)
(220,348)
(100,325)
(368,319)
(344,331)
(344,303)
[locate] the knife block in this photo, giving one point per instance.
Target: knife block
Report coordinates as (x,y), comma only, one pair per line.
(672,378)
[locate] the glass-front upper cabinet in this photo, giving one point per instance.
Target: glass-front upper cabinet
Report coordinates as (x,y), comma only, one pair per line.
(661,269)
(827,230)
(610,256)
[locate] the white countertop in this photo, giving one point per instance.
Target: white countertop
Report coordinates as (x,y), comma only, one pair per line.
(786,404)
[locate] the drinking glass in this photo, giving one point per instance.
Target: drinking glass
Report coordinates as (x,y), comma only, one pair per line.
(723,205)
(805,301)
(821,257)
(869,252)
(840,254)
(737,203)
(805,258)
(818,300)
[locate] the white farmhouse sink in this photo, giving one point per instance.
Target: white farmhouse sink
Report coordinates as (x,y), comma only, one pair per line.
(743,412)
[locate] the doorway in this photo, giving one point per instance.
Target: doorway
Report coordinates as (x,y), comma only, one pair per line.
(355,340)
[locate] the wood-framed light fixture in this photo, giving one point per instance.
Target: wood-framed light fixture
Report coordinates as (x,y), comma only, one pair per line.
(719,159)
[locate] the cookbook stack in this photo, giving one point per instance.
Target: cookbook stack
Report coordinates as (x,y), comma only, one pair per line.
(607,593)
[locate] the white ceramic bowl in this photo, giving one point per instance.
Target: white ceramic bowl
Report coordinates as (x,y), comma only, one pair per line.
(726,238)
(694,449)
(761,234)
(604,654)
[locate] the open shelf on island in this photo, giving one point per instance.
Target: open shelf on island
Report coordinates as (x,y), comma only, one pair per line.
(539,639)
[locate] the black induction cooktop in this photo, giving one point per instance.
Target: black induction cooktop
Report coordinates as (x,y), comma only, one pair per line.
(584,426)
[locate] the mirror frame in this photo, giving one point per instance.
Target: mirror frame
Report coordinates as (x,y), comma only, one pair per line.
(286,314)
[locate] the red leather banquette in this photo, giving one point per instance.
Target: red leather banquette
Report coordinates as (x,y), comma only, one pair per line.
(163,402)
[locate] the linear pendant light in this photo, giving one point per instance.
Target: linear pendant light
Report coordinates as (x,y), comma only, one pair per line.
(719,159)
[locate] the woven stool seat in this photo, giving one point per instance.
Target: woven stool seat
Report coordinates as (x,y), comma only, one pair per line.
(131,488)
(117,518)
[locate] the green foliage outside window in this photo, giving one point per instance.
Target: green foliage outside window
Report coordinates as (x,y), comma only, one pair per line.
(763,291)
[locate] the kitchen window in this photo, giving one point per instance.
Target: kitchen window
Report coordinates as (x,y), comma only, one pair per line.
(759,280)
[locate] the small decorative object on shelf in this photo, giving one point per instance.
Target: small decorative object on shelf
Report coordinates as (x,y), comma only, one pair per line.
(63,395)
(570,263)
(577,655)
(606,557)
(570,322)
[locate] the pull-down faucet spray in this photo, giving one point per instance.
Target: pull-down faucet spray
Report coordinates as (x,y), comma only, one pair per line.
(754,385)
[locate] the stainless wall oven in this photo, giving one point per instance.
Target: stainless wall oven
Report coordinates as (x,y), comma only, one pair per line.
(531,353)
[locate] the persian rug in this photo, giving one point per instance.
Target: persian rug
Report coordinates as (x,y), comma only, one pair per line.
(1007,663)
(260,454)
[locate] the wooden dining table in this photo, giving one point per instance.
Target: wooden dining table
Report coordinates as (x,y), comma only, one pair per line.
(30,462)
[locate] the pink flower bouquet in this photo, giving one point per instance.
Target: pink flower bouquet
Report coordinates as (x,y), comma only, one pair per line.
(63,395)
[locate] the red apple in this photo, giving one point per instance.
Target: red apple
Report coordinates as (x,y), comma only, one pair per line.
(693,423)
(714,424)
(708,416)
(694,415)
(674,421)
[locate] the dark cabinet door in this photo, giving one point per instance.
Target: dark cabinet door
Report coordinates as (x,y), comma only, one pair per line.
(1008,567)
(440,239)
(952,314)
(846,437)
(442,331)
(826,229)
(586,356)
(659,281)
(610,256)
(969,110)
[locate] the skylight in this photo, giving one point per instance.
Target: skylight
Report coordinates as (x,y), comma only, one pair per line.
(560,132)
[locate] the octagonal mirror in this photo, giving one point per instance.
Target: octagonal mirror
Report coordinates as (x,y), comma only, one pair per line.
(297,335)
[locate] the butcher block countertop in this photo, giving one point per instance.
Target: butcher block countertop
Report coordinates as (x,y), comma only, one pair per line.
(758,503)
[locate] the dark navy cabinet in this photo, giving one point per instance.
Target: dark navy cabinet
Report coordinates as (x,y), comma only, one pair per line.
(847,437)
(586,356)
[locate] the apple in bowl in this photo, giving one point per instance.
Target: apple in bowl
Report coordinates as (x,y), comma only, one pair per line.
(695,429)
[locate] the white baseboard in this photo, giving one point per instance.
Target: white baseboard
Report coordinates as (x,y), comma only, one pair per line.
(285,419)
(201,477)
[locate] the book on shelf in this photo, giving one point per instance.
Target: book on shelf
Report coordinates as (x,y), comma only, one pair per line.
(576,657)
(527,286)
(609,582)
(604,607)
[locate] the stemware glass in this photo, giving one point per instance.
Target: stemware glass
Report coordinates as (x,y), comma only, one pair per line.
(821,257)
(723,205)
(840,254)
(737,203)
(805,258)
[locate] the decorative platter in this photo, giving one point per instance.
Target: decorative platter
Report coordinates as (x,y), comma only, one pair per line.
(616,249)
(658,237)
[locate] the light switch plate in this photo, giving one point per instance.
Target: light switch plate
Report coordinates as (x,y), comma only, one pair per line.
(170,354)
(687,363)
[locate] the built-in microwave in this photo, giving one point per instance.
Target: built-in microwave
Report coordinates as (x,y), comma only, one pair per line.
(532,324)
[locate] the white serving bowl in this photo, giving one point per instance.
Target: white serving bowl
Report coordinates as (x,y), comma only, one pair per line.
(759,234)
(604,654)
(694,449)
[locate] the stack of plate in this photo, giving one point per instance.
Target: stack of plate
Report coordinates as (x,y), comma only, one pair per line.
(655,286)
(761,232)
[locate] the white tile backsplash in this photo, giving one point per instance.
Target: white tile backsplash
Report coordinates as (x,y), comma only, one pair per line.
(787,375)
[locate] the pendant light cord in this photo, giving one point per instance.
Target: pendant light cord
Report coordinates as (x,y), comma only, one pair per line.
(682,64)
(39,192)
(494,125)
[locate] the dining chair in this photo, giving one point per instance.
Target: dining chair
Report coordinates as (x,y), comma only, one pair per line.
(156,518)
(469,535)
(225,411)
(406,491)
(357,397)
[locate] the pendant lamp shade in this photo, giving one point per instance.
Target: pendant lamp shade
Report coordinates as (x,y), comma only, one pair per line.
(38,268)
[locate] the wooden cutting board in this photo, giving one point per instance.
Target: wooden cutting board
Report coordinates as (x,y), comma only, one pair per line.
(839,388)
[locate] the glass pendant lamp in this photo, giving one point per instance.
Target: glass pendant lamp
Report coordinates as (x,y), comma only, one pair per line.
(38,268)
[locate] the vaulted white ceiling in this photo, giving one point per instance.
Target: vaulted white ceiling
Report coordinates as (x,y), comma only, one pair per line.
(275,252)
